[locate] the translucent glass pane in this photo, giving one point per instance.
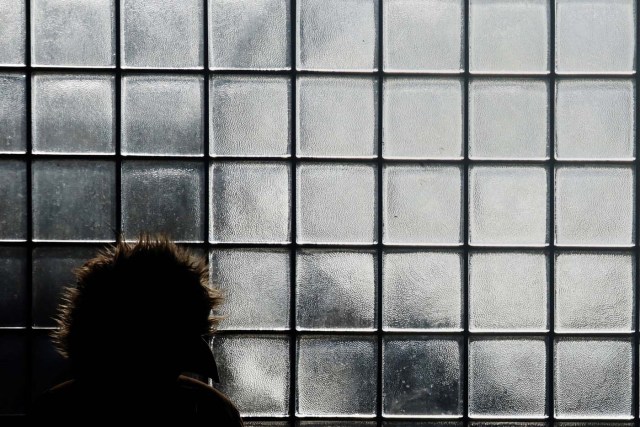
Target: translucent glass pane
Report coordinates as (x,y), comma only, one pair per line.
(337,35)
(13,200)
(163,115)
(13,29)
(250,202)
(13,121)
(422,119)
(13,286)
(73,114)
(337,117)
(335,290)
(13,375)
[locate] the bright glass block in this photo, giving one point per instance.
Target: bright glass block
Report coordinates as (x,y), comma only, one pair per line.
(13,115)
(13,200)
(13,287)
(13,30)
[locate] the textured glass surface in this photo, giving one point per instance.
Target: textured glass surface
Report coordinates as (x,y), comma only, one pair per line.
(162,115)
(421,376)
(595,119)
(163,197)
(336,376)
(13,29)
(341,423)
(13,120)
(508,291)
(508,205)
(423,35)
(507,377)
(249,34)
(13,286)
(337,35)
(422,118)
(13,200)
(13,375)
(594,292)
(585,41)
(593,378)
(336,203)
(255,285)
(335,290)
(162,33)
(398,423)
(508,119)
(250,116)
(594,206)
(250,202)
(73,113)
(509,36)
(254,373)
(336,117)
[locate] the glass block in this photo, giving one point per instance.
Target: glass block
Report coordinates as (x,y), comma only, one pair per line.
(594,292)
(423,36)
(73,33)
(13,121)
(509,36)
(398,423)
(508,205)
(423,205)
(508,119)
(336,117)
(335,290)
(13,32)
(13,200)
(163,115)
(239,273)
(336,203)
(250,202)
(73,114)
(422,118)
(13,286)
(595,119)
(249,35)
(248,423)
(421,376)
(49,368)
(585,42)
(337,35)
(318,423)
(507,377)
(13,375)
(250,116)
(336,376)
(594,206)
(509,424)
(162,34)
(593,378)
(508,291)
(422,291)
(254,373)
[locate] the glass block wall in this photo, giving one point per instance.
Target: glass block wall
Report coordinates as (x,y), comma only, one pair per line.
(422,212)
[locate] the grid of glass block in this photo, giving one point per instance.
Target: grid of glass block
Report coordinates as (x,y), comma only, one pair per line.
(423,212)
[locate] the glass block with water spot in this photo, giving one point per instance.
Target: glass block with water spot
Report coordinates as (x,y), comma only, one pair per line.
(13,115)
(13,200)
(13,287)
(13,375)
(422,118)
(13,30)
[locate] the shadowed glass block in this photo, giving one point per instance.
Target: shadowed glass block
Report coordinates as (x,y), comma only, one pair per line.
(341,423)
(13,286)
(248,423)
(13,121)
(13,32)
(519,424)
(48,367)
(13,200)
(13,375)
(397,423)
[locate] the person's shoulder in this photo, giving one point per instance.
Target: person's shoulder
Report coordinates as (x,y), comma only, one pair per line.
(55,400)
(210,400)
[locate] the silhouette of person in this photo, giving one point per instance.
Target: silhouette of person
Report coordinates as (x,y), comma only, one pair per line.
(130,327)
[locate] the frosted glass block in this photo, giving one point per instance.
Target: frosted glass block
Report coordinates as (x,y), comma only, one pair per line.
(422,205)
(422,291)
(239,273)
(509,36)
(593,378)
(336,117)
(163,197)
(507,377)
(162,34)
(421,377)
(254,373)
(508,119)
(73,33)
(13,200)
(13,375)
(12,32)
(13,286)
(336,376)
(318,423)
(13,121)
(335,290)
(594,206)
(337,35)
(508,205)
(397,423)
(250,116)
(423,35)
(594,292)
(73,114)
(336,203)
(594,424)
(595,119)
(163,115)
(422,118)
(585,41)
(510,424)
(250,202)
(249,35)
